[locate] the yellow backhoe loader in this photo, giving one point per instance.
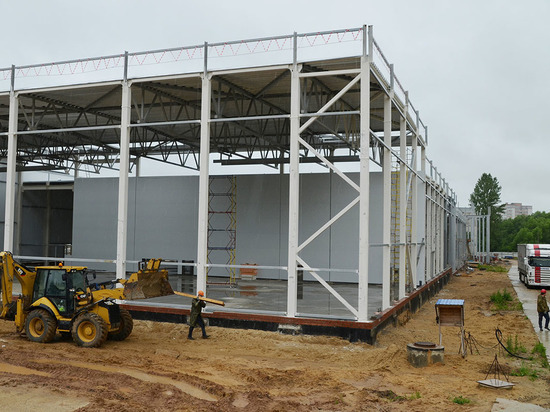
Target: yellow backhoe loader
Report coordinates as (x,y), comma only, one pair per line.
(61,299)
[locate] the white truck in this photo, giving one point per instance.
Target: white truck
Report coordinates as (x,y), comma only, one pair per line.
(534,265)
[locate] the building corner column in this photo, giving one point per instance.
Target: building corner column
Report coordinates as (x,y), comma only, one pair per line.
(122,223)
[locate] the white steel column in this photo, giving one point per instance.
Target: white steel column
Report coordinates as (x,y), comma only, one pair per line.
(415,247)
(364,177)
(9,214)
(293,187)
(438,229)
(488,236)
(435,234)
(122,224)
(202,240)
(428,225)
(442,229)
(18,213)
(387,206)
(425,202)
(402,205)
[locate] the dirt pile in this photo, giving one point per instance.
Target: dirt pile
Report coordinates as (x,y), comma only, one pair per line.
(157,368)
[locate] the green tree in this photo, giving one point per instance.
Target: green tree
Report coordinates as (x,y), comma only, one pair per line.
(486,195)
(522,229)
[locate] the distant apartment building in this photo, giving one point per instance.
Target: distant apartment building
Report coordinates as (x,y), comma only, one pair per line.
(511,210)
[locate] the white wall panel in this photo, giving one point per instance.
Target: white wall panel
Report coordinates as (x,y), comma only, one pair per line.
(162,213)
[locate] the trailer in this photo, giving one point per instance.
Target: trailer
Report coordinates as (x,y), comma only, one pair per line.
(534,265)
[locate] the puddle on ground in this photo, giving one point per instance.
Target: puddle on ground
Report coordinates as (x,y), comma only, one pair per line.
(184,387)
(20,370)
(25,398)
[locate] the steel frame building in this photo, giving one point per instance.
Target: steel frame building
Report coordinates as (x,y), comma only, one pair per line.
(280,102)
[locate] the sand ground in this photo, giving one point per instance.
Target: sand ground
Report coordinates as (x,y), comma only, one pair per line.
(157,368)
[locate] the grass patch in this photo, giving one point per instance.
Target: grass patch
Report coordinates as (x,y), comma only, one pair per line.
(525,370)
(501,297)
(415,395)
(504,301)
(461,400)
(540,350)
(493,268)
(514,346)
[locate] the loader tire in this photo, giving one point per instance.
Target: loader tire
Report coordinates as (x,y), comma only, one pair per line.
(126,326)
(89,330)
(40,326)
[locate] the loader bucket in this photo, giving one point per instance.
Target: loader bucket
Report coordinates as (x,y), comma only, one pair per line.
(147,284)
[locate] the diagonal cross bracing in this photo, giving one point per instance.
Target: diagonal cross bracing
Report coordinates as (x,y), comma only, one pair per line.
(327,286)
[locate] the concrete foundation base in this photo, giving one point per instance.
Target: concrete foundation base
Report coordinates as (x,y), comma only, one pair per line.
(421,354)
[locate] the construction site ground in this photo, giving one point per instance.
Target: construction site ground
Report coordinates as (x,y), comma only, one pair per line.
(158,369)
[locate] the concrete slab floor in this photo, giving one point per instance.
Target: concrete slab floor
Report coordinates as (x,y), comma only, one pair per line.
(263,296)
(528,298)
(270,296)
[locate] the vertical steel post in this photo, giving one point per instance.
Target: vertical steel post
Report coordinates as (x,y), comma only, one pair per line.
(19,211)
(364,177)
(435,221)
(403,204)
(294,185)
(424,201)
(443,225)
(9,213)
(441,230)
(488,235)
(202,233)
(414,204)
(122,223)
(387,205)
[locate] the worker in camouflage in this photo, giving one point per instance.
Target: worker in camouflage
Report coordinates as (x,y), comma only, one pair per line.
(542,309)
(195,318)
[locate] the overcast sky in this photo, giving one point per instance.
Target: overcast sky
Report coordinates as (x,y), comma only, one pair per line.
(478,71)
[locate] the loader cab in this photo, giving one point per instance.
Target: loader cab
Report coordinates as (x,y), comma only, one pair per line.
(59,284)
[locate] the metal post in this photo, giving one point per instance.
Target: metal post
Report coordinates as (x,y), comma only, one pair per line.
(436,232)
(428,226)
(443,227)
(294,186)
(202,238)
(415,203)
(46,227)
(402,205)
(19,202)
(122,224)
(9,213)
(488,235)
(364,177)
(453,236)
(441,223)
(387,206)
